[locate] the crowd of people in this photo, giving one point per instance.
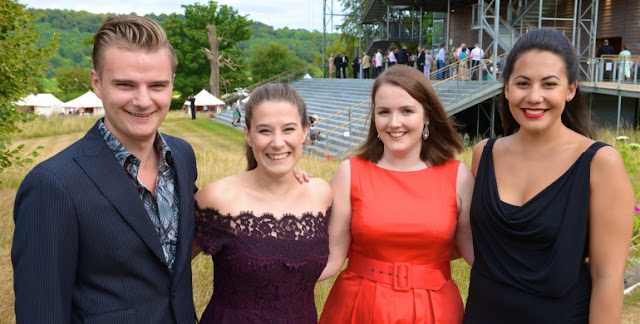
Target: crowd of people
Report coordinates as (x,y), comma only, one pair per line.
(463,61)
(105,230)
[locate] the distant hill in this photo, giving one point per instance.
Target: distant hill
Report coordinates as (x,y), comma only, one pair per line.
(75,30)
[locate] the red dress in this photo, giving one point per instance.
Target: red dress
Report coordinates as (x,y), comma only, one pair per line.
(403,228)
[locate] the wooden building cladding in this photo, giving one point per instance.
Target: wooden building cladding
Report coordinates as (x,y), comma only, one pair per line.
(618,21)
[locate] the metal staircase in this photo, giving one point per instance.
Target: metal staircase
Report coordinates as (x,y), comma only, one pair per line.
(343,105)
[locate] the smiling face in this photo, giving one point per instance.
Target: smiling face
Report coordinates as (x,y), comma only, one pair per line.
(399,120)
(538,90)
(276,136)
(135,88)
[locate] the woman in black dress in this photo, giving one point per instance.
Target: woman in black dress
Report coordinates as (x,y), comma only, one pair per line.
(552,210)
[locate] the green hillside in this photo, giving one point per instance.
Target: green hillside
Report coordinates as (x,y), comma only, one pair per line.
(75,30)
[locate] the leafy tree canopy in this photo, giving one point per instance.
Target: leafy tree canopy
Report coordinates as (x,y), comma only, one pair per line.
(73,82)
(189,38)
(275,58)
(22,62)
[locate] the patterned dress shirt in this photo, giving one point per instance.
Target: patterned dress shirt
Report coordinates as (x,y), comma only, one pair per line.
(163,209)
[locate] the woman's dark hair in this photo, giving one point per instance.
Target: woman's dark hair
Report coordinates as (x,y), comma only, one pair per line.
(575,115)
(443,142)
(274,92)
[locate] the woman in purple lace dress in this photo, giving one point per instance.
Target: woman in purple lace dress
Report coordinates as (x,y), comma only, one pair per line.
(266,232)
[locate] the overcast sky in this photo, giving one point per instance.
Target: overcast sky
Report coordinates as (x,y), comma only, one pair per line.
(295,14)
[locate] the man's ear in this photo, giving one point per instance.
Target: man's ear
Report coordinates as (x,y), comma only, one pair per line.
(95,82)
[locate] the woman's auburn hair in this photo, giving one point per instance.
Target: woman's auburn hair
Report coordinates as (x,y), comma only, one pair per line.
(443,142)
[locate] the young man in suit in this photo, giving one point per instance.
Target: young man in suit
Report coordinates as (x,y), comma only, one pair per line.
(103,229)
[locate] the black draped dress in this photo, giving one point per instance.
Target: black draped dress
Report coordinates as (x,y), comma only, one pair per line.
(529,260)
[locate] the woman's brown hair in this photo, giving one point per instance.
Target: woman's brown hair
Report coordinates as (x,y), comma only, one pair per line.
(443,142)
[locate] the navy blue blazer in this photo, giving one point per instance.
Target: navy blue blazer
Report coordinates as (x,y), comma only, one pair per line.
(84,249)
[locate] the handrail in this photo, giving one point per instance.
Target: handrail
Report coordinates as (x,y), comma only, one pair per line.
(341,111)
(451,78)
(521,16)
(343,125)
(612,69)
(282,75)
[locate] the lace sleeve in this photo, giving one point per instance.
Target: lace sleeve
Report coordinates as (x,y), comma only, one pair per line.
(211,234)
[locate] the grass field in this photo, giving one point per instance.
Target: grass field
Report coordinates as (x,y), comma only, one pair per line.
(219,153)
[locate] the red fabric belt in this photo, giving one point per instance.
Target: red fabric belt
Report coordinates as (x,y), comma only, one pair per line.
(403,276)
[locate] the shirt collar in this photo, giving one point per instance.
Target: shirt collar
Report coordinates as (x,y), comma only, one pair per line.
(123,155)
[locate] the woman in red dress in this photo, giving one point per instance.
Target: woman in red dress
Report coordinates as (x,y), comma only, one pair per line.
(400,211)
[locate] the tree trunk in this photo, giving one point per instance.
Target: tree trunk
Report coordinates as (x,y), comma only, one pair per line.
(212,55)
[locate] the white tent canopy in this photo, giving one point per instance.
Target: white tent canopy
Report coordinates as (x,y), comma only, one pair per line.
(87,100)
(204,98)
(42,104)
(40,100)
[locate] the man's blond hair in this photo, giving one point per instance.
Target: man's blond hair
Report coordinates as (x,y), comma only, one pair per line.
(133,33)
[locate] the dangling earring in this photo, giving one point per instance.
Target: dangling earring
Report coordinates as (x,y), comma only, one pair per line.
(425,131)
(378,136)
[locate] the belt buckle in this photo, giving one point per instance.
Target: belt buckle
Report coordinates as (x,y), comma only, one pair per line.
(402,276)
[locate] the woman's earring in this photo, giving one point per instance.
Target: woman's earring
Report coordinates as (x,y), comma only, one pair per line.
(378,136)
(425,131)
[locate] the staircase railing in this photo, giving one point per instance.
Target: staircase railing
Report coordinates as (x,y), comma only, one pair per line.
(623,70)
(481,16)
(487,72)
(288,76)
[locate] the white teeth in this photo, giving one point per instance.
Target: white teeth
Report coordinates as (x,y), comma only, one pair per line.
(534,112)
(140,115)
(395,135)
(278,156)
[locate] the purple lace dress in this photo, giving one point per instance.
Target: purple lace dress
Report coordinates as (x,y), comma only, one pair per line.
(265,268)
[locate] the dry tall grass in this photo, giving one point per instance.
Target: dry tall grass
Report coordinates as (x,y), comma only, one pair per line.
(219,153)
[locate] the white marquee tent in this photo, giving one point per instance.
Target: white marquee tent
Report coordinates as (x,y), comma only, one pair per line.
(41,104)
(89,103)
(205,101)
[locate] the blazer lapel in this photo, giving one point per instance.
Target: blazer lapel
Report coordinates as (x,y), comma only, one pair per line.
(113,182)
(186,193)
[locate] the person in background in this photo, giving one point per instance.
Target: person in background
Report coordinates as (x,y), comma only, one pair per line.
(393,60)
(236,115)
(332,66)
(356,66)
(428,62)
(314,134)
(266,232)
(625,63)
(400,211)
(477,54)
(403,56)
(547,197)
(366,66)
(441,59)
(103,229)
(606,49)
(420,59)
(192,106)
(379,63)
(343,65)
(463,66)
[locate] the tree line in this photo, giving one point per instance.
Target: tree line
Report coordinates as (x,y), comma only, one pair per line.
(252,51)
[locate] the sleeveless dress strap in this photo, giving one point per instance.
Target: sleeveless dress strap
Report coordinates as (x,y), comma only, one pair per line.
(591,151)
